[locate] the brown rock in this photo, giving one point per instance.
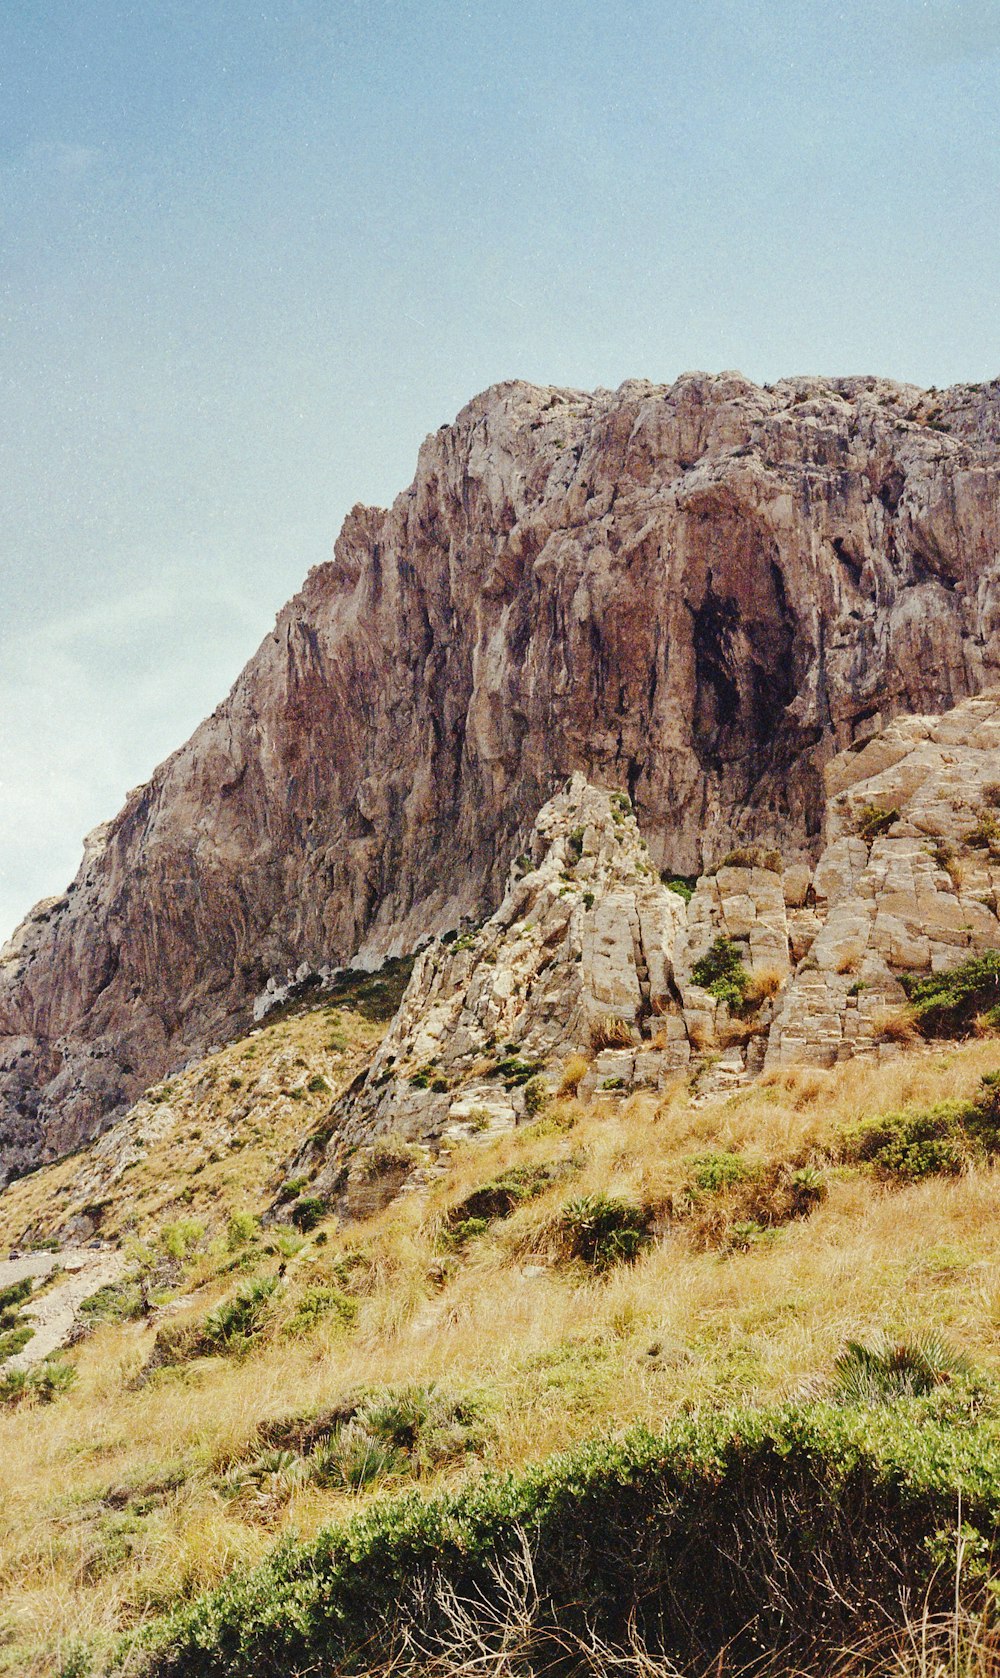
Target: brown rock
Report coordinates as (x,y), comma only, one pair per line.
(697,592)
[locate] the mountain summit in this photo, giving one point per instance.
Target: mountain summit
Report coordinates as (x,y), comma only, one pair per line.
(697,594)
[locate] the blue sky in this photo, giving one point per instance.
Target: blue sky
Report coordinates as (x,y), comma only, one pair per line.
(251,254)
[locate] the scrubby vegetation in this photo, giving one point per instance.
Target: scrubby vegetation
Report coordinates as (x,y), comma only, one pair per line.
(873,821)
(952,1003)
(721,972)
(834,1521)
(659,1261)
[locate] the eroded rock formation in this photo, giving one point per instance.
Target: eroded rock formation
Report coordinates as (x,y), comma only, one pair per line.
(697,593)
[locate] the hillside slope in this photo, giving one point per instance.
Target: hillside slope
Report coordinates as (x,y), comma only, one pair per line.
(474,1302)
(695,593)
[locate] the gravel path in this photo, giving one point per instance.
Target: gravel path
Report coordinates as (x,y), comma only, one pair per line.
(55,1314)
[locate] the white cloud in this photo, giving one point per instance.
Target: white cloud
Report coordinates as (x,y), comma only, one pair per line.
(90,704)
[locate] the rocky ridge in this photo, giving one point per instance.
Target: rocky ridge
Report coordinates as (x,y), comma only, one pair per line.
(695,593)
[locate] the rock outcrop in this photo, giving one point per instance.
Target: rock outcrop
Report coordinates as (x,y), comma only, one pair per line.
(578,954)
(591,953)
(697,593)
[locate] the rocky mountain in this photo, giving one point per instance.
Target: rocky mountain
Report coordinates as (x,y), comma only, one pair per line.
(696,594)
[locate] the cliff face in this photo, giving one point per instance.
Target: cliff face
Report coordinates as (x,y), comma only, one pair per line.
(697,593)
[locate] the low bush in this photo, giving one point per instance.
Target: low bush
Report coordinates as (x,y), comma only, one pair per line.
(514,1071)
(952,1003)
(116,1302)
(178,1240)
(235,1323)
(14,1333)
(733,1203)
(683,885)
(498,1198)
(307,1213)
(243,1227)
(711,1172)
(814,1525)
(936,1141)
(873,821)
(321,1304)
(604,1230)
(752,856)
(887,1370)
(721,972)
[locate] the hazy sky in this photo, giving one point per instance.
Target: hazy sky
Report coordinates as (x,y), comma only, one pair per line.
(251,254)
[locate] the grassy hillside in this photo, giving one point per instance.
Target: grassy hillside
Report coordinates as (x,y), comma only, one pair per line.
(601,1267)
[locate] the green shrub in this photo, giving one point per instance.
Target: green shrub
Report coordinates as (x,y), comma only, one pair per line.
(243,1227)
(752,856)
(234,1323)
(809,1523)
(179,1239)
(936,1141)
(948,1004)
(574,844)
(514,1071)
(14,1333)
(12,1297)
(888,1370)
(291,1189)
(500,1196)
(604,1230)
(308,1212)
(14,1340)
(116,1302)
(721,972)
(718,1170)
(682,885)
(536,1097)
(911,1144)
(318,1304)
(873,821)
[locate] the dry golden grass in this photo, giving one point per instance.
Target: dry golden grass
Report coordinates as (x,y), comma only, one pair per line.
(573,1073)
(895,1025)
(611,1033)
(765,982)
(113,1500)
(205,1143)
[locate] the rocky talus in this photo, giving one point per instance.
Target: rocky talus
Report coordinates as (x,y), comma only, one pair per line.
(696,593)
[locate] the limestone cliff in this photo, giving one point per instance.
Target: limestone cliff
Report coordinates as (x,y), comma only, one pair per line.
(696,593)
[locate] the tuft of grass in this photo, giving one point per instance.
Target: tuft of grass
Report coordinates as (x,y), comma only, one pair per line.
(611,1033)
(885,1370)
(573,1074)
